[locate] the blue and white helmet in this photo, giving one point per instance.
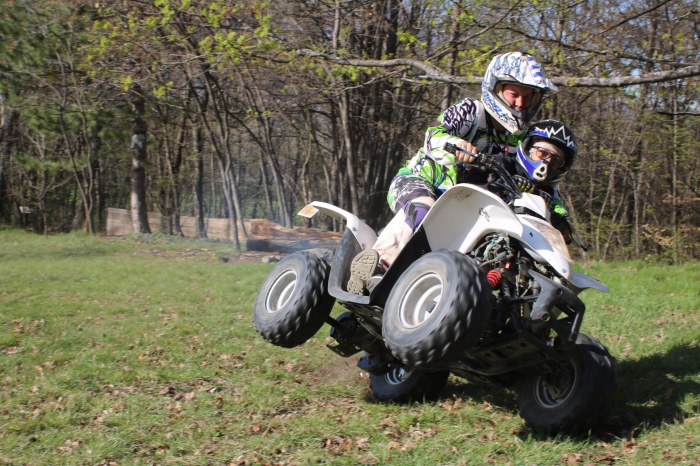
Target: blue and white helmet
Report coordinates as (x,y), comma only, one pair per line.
(517,68)
(540,171)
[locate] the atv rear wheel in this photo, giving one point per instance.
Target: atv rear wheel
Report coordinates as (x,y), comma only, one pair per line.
(438,309)
(293,301)
(577,396)
(404,384)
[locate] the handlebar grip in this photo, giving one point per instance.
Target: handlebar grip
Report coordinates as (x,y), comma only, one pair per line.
(452,149)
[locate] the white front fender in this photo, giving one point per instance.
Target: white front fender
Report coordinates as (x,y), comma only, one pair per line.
(541,239)
(464,214)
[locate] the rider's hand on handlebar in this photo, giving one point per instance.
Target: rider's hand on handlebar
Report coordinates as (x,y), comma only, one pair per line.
(461,156)
(524,184)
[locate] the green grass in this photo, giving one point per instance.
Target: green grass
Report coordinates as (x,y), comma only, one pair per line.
(127,352)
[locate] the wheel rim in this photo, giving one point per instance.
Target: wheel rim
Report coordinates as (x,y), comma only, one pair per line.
(397,375)
(280,291)
(421,299)
(553,390)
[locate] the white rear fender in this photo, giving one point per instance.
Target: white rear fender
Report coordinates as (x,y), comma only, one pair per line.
(364,234)
(464,214)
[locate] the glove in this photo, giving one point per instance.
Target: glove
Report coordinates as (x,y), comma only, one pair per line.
(524,184)
(562,222)
(559,209)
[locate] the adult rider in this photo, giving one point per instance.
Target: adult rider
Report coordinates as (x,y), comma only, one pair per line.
(512,91)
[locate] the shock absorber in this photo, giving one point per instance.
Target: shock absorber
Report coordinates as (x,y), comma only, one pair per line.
(494,277)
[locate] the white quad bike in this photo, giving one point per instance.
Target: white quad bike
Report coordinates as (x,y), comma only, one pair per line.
(483,290)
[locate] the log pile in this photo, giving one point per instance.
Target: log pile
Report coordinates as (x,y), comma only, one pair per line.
(267,236)
(263,235)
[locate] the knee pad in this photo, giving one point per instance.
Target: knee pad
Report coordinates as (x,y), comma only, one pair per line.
(415,213)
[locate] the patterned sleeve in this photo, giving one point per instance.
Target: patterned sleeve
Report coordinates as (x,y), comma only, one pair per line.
(451,126)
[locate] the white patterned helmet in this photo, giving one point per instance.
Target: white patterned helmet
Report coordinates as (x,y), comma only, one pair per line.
(516,68)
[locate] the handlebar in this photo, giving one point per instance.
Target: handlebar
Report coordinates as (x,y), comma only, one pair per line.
(487,163)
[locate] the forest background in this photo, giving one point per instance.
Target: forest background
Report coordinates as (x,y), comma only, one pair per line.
(251,109)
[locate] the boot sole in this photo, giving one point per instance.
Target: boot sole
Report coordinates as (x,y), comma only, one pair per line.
(362,269)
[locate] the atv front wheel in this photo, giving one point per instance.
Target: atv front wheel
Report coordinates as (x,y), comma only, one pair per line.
(404,384)
(577,396)
(293,301)
(438,309)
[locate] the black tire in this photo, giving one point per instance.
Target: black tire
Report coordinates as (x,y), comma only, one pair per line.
(293,302)
(402,385)
(586,392)
(424,338)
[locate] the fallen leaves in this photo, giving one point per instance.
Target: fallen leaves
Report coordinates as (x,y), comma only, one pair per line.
(451,406)
(417,433)
(393,445)
(571,458)
(258,429)
(69,446)
(231,360)
(605,458)
(340,445)
(336,445)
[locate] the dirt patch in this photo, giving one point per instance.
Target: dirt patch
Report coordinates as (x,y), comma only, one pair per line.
(250,257)
(207,255)
(337,369)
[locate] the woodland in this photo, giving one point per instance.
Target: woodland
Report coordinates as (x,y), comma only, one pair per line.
(251,109)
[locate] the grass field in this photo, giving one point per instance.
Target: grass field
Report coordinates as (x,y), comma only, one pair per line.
(125,352)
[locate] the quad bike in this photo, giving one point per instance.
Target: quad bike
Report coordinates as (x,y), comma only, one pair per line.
(483,290)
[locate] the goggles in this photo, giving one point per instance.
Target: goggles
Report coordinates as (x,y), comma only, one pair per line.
(554,159)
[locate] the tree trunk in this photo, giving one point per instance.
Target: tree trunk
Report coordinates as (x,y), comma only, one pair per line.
(79,216)
(674,178)
(229,202)
(447,93)
(266,188)
(344,103)
(175,176)
(235,197)
(198,192)
(139,213)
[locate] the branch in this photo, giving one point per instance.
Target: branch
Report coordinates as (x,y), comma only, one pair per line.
(484,30)
(678,113)
(613,54)
(635,16)
(436,74)
(430,70)
(693,190)
(622,81)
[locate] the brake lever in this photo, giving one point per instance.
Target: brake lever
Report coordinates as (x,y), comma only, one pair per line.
(578,241)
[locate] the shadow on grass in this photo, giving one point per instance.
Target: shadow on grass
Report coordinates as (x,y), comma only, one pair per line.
(457,388)
(481,393)
(653,389)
